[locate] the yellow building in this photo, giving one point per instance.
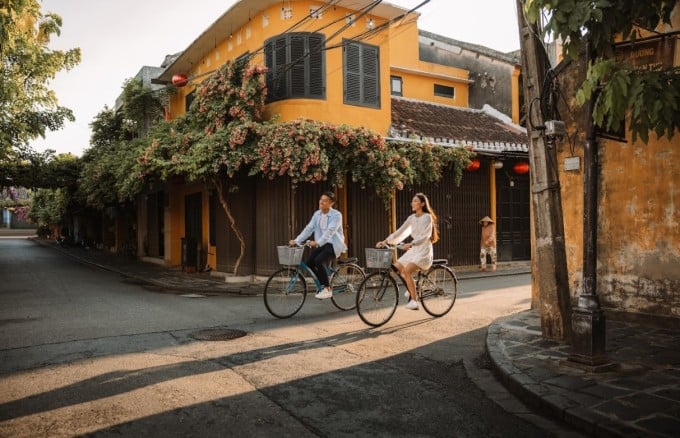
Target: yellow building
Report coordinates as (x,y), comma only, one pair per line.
(638,232)
(339,62)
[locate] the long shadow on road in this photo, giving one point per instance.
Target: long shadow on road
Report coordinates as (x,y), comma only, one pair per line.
(408,394)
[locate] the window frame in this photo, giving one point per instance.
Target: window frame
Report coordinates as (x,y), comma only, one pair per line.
(296,66)
(189,99)
(442,94)
(368,56)
(401,85)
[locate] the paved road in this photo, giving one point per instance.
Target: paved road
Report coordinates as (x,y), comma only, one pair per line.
(84,352)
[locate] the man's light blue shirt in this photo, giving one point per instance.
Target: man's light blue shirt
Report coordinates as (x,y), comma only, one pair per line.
(332,234)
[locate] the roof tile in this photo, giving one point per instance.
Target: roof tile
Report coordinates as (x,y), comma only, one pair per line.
(453,124)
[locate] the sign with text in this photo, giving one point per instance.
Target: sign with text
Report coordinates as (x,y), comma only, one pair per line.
(650,54)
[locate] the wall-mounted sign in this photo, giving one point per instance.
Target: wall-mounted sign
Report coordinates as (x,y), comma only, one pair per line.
(649,54)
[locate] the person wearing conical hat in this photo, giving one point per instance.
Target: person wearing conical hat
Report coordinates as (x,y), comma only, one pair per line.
(487,243)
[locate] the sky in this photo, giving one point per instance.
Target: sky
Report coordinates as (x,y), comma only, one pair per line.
(118,37)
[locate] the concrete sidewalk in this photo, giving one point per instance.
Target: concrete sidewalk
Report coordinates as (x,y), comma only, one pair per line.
(639,398)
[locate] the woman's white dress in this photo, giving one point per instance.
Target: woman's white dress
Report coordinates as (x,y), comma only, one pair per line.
(420,229)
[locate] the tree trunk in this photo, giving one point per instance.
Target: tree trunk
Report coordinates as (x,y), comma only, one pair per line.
(217,182)
(549,264)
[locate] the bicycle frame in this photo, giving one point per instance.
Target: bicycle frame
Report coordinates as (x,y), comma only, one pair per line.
(394,272)
(307,272)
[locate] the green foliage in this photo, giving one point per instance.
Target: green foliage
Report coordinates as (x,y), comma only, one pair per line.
(648,97)
(111,171)
(28,108)
(222,134)
(141,108)
(40,169)
(49,206)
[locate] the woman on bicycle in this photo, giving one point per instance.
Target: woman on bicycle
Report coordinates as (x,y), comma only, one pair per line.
(418,255)
(328,243)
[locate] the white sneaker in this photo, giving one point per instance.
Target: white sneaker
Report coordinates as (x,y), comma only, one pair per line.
(407,295)
(324,293)
(412,305)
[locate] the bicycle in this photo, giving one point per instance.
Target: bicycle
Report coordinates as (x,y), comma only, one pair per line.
(286,288)
(378,294)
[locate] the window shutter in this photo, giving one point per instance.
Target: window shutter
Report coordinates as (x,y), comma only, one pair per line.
(280,62)
(298,60)
(352,61)
(371,68)
(269,62)
(295,63)
(315,62)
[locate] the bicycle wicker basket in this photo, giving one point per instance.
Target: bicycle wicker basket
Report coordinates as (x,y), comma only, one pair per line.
(290,255)
(380,258)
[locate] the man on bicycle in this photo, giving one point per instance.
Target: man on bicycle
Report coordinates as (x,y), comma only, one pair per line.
(328,243)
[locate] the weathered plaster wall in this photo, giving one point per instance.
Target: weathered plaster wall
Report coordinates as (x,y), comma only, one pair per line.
(492,78)
(639,229)
(638,267)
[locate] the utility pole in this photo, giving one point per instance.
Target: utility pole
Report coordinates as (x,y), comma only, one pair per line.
(549,260)
(587,320)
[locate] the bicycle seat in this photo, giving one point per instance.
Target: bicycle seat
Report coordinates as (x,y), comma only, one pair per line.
(439,262)
(347,260)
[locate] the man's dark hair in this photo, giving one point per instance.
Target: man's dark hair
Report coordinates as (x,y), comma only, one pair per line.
(330,195)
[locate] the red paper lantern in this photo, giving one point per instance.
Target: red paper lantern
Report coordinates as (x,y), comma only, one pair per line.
(521,167)
(474,165)
(179,80)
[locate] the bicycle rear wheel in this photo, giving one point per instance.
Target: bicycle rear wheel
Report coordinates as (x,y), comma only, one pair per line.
(377,299)
(438,290)
(345,283)
(285,292)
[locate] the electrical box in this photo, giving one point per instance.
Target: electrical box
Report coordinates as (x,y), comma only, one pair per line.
(555,128)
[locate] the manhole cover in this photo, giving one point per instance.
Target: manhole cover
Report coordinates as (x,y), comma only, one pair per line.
(218,334)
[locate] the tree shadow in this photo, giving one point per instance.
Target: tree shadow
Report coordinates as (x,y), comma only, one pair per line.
(408,394)
(119,382)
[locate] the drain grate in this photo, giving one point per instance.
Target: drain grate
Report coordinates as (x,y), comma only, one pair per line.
(218,334)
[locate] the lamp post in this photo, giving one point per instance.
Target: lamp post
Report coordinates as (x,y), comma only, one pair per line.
(588,323)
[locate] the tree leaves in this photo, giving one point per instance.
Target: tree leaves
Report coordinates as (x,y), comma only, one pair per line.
(28,108)
(649,97)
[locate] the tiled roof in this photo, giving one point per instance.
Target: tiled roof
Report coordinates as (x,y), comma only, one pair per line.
(486,130)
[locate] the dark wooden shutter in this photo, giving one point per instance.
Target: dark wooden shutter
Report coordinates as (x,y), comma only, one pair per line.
(295,65)
(281,59)
(352,61)
(269,63)
(316,63)
(298,61)
(362,74)
(371,82)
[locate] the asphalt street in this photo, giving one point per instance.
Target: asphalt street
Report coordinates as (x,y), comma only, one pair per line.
(85,352)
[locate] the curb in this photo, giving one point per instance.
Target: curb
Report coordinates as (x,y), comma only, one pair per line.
(542,399)
(233,290)
(244,289)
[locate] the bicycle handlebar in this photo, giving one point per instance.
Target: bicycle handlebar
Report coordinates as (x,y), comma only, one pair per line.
(399,246)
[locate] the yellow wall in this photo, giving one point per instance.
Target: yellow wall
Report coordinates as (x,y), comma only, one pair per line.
(174,229)
(418,77)
(638,232)
(515,95)
(251,38)
(398,47)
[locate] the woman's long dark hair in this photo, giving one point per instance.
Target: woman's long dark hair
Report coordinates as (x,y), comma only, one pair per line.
(428,209)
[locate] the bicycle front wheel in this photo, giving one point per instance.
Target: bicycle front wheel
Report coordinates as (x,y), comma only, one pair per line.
(285,292)
(345,283)
(438,290)
(377,299)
